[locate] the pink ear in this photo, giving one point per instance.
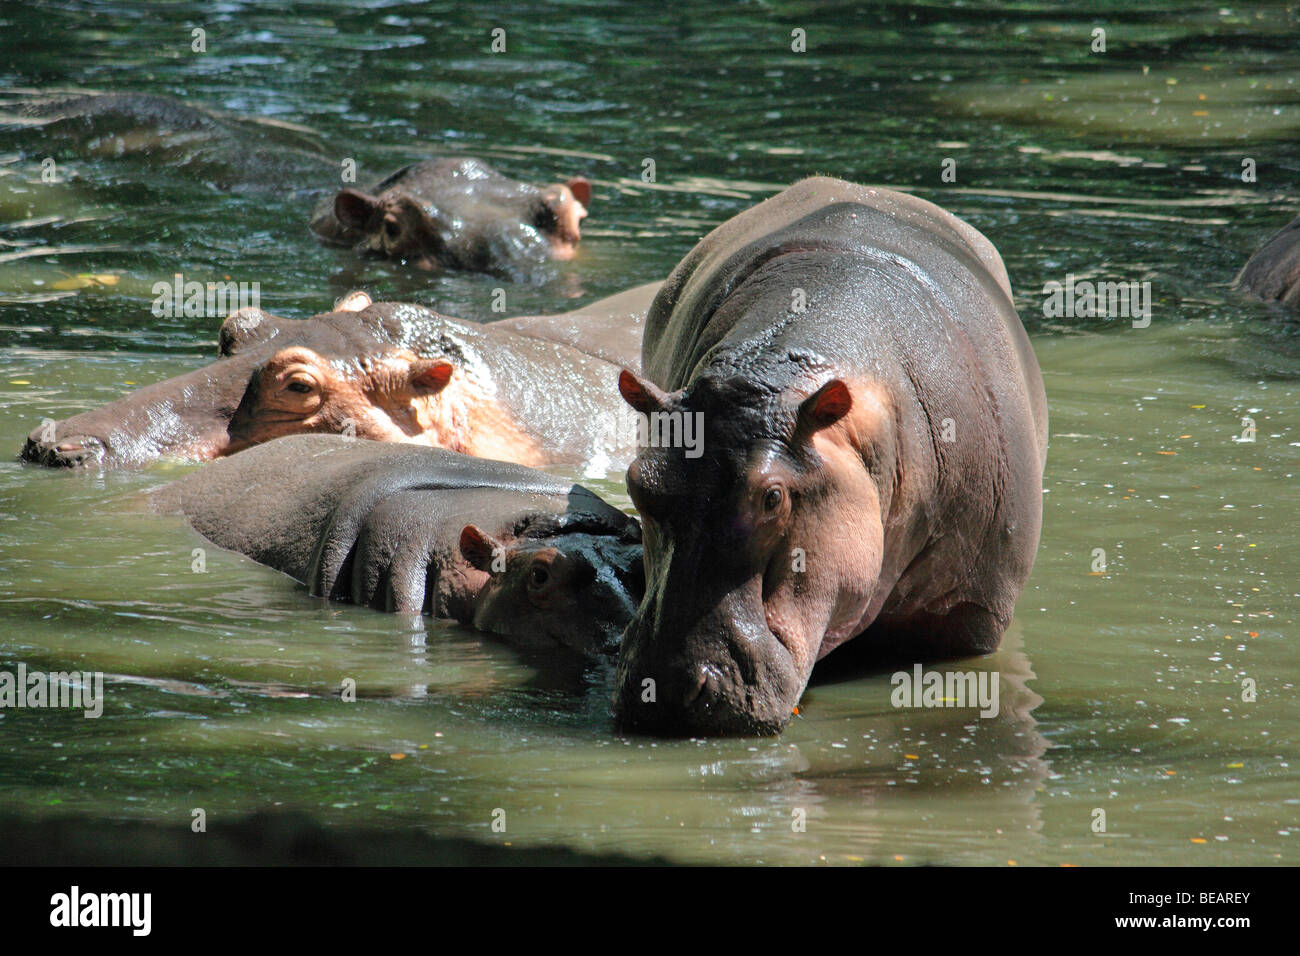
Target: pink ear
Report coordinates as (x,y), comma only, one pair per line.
(354,208)
(431,376)
(581,189)
(478,547)
(640,394)
(826,406)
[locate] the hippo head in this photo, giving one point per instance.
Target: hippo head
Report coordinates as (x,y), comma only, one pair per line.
(463,213)
(342,372)
(572,585)
(763,540)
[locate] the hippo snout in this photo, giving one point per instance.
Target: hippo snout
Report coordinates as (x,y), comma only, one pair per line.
(68,451)
(716,682)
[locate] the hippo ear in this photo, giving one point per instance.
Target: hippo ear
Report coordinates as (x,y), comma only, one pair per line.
(354,301)
(245,327)
(824,407)
(645,397)
(580,186)
(354,208)
(431,376)
(479,547)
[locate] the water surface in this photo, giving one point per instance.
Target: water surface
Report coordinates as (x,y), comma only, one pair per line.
(1121,690)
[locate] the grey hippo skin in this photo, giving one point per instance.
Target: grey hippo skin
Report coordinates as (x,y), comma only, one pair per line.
(875,431)
(1272,274)
(385,371)
(454,213)
(242,154)
(458,214)
(508,550)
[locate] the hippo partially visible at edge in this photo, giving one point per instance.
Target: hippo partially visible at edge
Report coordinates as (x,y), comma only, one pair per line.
(508,550)
(875,431)
(1272,274)
(533,390)
(458,214)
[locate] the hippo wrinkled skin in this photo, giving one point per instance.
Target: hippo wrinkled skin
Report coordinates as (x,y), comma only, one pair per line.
(875,430)
(1272,274)
(508,550)
(458,214)
(533,390)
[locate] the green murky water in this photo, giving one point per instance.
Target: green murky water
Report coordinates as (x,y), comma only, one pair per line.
(1121,690)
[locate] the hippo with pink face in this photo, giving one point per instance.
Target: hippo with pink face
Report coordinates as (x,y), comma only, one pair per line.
(459,214)
(874,434)
(534,390)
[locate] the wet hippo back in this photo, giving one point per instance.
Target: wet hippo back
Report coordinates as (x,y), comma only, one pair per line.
(610,329)
(1272,274)
(232,152)
(507,549)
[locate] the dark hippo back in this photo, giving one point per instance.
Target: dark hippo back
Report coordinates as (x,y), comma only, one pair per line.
(273,502)
(895,266)
(1272,274)
(885,229)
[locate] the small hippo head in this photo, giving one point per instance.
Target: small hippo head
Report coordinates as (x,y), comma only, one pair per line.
(346,372)
(761,540)
(461,214)
(575,583)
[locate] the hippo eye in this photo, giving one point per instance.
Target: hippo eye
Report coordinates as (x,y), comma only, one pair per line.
(772,500)
(302,388)
(538,576)
(391,228)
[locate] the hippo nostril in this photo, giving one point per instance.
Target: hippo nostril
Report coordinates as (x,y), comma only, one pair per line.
(65,453)
(706,680)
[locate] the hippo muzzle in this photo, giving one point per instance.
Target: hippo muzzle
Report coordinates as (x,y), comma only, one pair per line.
(725,673)
(186,416)
(68,451)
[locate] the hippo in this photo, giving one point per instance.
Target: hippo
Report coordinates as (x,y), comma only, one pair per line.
(874,431)
(237,153)
(458,214)
(510,551)
(385,371)
(1272,274)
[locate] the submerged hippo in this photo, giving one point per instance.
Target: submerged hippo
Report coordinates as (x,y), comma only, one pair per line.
(458,214)
(385,371)
(874,435)
(244,154)
(1272,274)
(506,549)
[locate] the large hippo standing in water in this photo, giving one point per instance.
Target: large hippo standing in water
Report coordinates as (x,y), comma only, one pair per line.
(505,549)
(458,214)
(874,435)
(527,392)
(1272,274)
